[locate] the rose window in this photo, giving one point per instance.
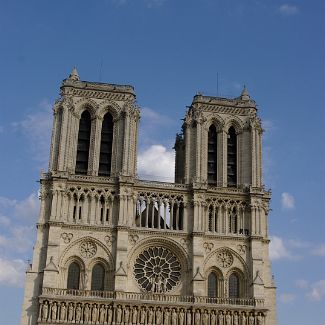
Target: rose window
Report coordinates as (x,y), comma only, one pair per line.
(224,258)
(157,270)
(88,249)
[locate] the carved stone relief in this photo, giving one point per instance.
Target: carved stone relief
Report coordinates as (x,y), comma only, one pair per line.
(88,249)
(224,258)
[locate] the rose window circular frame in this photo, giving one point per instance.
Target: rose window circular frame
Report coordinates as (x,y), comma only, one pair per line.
(88,249)
(224,258)
(157,270)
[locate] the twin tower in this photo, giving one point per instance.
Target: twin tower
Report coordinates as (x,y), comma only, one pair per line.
(114,249)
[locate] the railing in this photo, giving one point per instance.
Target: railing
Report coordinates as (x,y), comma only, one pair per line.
(152,297)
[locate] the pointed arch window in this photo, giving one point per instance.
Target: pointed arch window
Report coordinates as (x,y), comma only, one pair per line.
(233,286)
(212,285)
(83,143)
(98,277)
(212,155)
(106,142)
(232,157)
(73,276)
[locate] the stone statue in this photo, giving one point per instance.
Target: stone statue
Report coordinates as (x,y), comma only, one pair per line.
(205,318)
(228,319)
(54,311)
(243,319)
(150,316)
(70,312)
(45,311)
(126,315)
(109,315)
(166,317)
(197,318)
(86,313)
(135,315)
(159,284)
(95,314)
(142,315)
(220,318)
(259,319)
(118,315)
(181,317)
(236,319)
(213,318)
(188,318)
(251,319)
(158,316)
(174,317)
(62,311)
(78,313)
(102,314)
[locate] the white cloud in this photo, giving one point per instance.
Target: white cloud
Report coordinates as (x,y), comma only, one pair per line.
(4,221)
(12,272)
(28,208)
(302,284)
(156,163)
(278,249)
(37,128)
(287,297)
(317,292)
(287,201)
(288,9)
(319,250)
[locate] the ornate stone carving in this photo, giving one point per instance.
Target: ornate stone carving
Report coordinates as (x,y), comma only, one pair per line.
(88,249)
(110,239)
(157,269)
(208,247)
(67,237)
(133,239)
(224,258)
(242,248)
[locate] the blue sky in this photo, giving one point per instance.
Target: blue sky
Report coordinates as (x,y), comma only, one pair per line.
(170,50)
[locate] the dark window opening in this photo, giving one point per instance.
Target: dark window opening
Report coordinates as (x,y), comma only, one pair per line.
(97,277)
(105,158)
(233,286)
(83,143)
(232,157)
(73,276)
(212,285)
(212,154)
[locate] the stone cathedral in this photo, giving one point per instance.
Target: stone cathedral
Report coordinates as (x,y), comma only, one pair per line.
(114,249)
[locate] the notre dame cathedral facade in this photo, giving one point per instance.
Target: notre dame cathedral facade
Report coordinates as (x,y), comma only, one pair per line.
(114,249)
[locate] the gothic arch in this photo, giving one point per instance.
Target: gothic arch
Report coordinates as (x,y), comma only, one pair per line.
(238,261)
(73,249)
(108,107)
(216,120)
(172,245)
(85,104)
(234,122)
(243,280)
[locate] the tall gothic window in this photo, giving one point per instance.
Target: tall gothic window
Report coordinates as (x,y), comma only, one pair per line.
(97,277)
(212,154)
(83,143)
(212,285)
(232,157)
(233,286)
(73,276)
(233,219)
(105,158)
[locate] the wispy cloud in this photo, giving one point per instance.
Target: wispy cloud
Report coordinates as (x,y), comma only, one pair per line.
(278,250)
(287,298)
(288,9)
(287,201)
(36,127)
(319,250)
(156,163)
(317,291)
(12,272)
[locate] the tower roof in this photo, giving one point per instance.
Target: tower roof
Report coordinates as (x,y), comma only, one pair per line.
(245,95)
